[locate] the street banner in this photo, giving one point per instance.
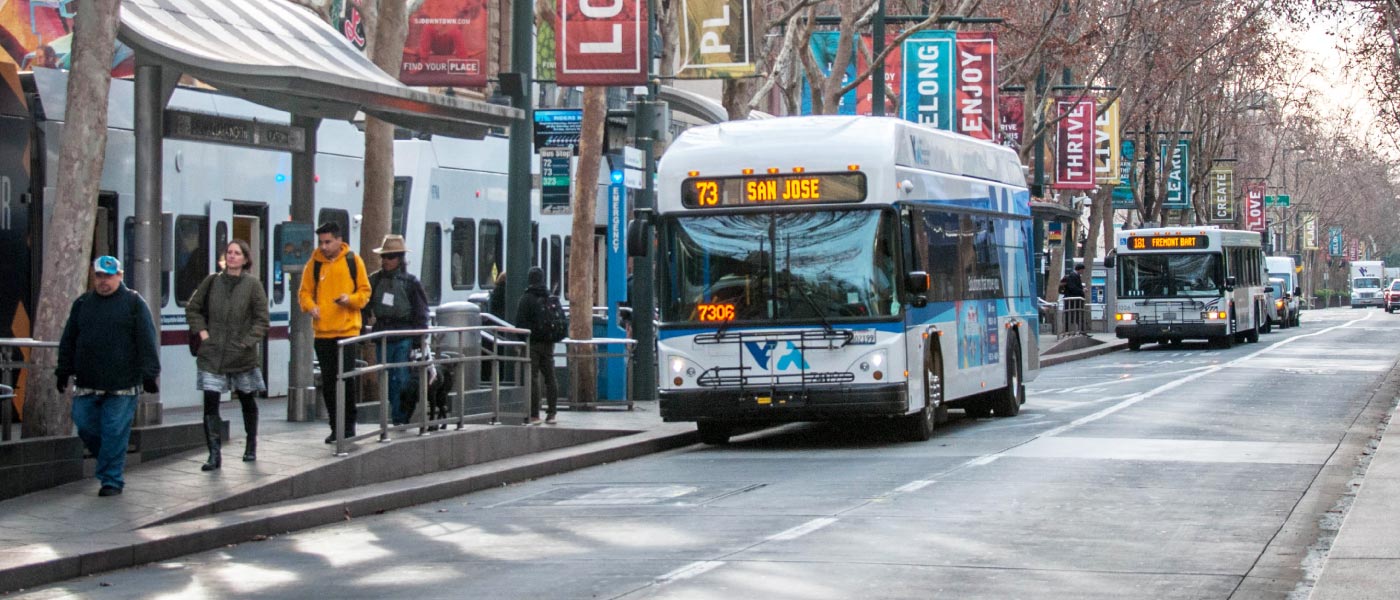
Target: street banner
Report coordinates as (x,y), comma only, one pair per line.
(1254,219)
(715,41)
(446,44)
(348,17)
(823,47)
(894,66)
(1178,176)
(1127,176)
(1354,249)
(1334,241)
(928,92)
(1106,147)
(1310,231)
(1074,143)
(1011,112)
(977,84)
(1222,194)
(602,44)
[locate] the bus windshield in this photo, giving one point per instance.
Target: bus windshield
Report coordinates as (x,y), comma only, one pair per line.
(785,267)
(1169,276)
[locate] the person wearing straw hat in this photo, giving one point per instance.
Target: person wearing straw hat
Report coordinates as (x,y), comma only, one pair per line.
(397,302)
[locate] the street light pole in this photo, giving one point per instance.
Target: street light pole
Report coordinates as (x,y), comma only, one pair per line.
(516,85)
(643,293)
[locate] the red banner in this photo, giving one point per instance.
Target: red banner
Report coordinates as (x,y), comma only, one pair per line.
(977,84)
(894,66)
(1254,219)
(446,44)
(602,42)
(1074,144)
(1011,112)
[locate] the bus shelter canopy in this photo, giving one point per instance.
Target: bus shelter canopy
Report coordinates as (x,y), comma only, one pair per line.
(281,55)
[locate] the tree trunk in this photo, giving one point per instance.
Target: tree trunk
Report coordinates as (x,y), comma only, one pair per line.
(583,370)
(390,27)
(83,149)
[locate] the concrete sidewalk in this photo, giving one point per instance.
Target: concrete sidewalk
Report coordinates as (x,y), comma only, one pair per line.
(170,508)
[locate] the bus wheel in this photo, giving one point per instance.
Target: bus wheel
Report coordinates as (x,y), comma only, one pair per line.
(1008,401)
(713,433)
(919,427)
(1134,344)
(1252,336)
(1268,325)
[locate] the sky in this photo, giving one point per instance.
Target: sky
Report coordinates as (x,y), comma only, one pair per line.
(1331,88)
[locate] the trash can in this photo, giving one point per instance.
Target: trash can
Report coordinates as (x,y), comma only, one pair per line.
(461,314)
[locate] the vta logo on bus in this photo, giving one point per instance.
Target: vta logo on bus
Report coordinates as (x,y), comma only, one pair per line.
(763,353)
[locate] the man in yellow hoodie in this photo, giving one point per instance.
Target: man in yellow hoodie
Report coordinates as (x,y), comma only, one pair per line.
(334,287)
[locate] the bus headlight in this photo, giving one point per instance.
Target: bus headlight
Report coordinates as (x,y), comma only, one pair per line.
(1278,304)
(873,363)
(1215,315)
(1125,317)
(682,369)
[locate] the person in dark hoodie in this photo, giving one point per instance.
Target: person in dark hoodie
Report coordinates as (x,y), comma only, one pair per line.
(531,314)
(109,343)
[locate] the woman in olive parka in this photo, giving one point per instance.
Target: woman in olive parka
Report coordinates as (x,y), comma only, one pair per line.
(228,311)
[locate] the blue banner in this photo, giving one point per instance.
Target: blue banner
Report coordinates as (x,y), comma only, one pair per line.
(1177,168)
(823,46)
(1127,177)
(1335,247)
(927,89)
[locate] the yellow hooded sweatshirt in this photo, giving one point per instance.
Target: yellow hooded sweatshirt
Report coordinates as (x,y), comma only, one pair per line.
(336,321)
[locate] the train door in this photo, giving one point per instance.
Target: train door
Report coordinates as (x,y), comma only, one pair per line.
(250,225)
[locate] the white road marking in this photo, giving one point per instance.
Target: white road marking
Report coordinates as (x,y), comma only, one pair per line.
(801,530)
(912,486)
(690,570)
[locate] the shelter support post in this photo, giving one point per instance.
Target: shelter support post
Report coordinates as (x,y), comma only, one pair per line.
(301,395)
(152,93)
(517,85)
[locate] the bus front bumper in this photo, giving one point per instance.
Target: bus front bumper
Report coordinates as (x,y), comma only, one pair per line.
(783,404)
(1172,330)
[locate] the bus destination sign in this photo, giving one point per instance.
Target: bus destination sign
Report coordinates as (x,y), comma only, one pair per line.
(749,190)
(1167,242)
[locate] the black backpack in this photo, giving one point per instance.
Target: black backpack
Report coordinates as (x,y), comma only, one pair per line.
(554,324)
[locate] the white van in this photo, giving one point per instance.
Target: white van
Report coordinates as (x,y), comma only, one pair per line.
(1285,268)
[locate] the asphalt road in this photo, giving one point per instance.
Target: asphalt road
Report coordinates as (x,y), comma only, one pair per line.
(1174,472)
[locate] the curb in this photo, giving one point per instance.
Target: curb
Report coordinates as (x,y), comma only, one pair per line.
(1073,355)
(162,542)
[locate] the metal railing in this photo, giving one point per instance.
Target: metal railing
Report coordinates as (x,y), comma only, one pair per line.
(10,373)
(626,354)
(504,351)
(1072,317)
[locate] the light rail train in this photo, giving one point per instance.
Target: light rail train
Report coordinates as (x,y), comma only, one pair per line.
(449,201)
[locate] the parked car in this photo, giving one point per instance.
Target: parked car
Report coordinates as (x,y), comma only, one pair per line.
(1392,296)
(1282,308)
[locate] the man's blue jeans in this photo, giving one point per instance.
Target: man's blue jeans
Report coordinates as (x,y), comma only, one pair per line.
(396,350)
(104,425)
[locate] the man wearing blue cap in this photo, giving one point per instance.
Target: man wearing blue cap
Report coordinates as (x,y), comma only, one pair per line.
(109,343)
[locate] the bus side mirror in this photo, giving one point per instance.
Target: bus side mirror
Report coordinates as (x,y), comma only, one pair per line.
(1108,261)
(1297,291)
(916,282)
(1269,289)
(1230,283)
(638,237)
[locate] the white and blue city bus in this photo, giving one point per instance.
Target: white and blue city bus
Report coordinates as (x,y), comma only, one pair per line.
(1180,283)
(824,268)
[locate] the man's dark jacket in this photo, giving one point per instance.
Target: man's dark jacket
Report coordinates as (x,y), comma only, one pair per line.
(109,342)
(1074,285)
(530,313)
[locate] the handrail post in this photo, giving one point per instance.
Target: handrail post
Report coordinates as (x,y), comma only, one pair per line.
(461,394)
(384,405)
(423,407)
(496,388)
(339,417)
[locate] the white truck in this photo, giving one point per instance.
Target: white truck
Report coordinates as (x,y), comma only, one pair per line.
(1367,279)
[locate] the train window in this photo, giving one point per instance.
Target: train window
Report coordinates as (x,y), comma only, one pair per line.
(541,249)
(402,186)
(279,277)
(534,243)
(556,262)
(341,218)
(489,257)
(430,272)
(220,243)
(191,255)
(464,255)
(564,276)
